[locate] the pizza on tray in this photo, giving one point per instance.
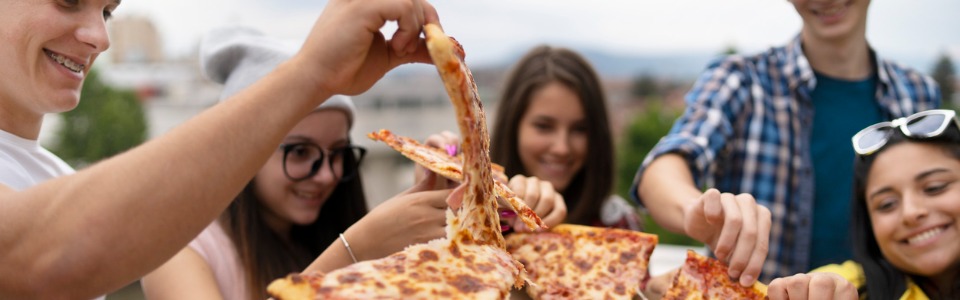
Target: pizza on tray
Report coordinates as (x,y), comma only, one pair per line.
(583,262)
(702,277)
(471,261)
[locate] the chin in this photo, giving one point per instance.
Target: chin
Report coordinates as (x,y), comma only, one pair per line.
(305,220)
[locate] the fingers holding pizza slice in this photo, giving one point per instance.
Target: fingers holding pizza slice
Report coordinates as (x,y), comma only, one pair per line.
(702,277)
(451,167)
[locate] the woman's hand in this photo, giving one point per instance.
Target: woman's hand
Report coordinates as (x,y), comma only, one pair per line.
(540,196)
(414,216)
(824,286)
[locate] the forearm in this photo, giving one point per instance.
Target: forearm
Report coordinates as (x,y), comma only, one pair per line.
(666,188)
(125,216)
(338,255)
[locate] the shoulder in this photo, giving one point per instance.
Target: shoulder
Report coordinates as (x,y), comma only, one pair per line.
(213,242)
(617,212)
(12,173)
(738,70)
(901,74)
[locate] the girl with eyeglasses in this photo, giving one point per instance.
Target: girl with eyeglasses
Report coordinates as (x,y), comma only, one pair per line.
(906,212)
(305,209)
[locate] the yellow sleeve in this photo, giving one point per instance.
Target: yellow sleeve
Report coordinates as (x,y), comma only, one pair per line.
(849,270)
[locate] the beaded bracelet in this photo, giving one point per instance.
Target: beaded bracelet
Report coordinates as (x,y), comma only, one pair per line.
(347,245)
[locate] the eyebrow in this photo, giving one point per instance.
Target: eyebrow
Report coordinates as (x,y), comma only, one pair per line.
(303,138)
(918,178)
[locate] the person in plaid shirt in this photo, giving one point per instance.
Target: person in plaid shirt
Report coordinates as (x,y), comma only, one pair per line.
(769,134)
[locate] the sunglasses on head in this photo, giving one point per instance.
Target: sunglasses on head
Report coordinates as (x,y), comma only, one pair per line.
(924,124)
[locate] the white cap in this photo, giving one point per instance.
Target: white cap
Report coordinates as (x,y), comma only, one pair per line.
(237,57)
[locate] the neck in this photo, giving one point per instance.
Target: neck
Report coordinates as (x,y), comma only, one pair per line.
(279,225)
(24,125)
(843,58)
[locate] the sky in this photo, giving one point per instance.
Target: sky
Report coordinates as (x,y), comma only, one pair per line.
(493,29)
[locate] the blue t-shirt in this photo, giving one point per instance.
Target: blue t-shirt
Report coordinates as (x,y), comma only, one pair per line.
(841,109)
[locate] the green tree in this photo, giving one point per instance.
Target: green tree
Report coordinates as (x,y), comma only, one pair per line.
(644,132)
(945,75)
(644,86)
(731,49)
(106,122)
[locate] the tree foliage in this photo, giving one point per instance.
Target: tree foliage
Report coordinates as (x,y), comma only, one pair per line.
(946,76)
(644,86)
(644,132)
(107,121)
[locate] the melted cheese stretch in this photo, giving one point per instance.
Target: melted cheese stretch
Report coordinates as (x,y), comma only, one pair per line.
(470,263)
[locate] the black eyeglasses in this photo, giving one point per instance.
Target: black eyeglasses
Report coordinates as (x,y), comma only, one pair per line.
(924,124)
(303,160)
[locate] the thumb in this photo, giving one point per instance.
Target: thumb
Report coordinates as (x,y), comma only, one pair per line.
(426,182)
(712,208)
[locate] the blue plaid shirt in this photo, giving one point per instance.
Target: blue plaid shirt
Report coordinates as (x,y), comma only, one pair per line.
(746,129)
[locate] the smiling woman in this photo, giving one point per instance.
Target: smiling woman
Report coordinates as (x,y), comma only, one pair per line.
(552,124)
(906,209)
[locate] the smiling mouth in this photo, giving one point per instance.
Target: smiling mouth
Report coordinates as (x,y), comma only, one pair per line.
(926,235)
(64,61)
(306,195)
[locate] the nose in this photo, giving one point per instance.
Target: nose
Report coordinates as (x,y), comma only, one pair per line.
(92,30)
(561,143)
(914,209)
(324,173)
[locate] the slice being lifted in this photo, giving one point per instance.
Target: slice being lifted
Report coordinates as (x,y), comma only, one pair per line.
(702,277)
(583,262)
(451,167)
(470,263)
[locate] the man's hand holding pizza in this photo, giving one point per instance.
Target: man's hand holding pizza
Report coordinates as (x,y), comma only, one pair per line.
(735,227)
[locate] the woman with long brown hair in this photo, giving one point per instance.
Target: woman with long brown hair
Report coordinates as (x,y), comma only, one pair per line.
(552,124)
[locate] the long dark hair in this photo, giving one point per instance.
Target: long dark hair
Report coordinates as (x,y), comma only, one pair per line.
(883,279)
(265,255)
(542,65)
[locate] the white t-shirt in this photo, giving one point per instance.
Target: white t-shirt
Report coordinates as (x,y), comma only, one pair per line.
(24,163)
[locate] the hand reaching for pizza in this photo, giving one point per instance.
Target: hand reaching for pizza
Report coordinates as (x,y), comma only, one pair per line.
(735,227)
(812,286)
(417,215)
(538,195)
(346,51)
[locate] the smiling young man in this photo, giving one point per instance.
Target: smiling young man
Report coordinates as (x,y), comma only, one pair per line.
(84,234)
(771,132)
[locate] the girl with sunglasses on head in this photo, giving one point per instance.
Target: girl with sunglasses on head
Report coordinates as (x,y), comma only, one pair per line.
(906,213)
(305,209)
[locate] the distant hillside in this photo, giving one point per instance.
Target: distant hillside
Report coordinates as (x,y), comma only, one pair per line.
(682,66)
(679,66)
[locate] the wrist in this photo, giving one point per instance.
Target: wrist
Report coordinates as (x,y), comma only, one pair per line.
(346,245)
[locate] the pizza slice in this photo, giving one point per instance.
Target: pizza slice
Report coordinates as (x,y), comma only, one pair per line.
(432,158)
(451,167)
(435,270)
(702,277)
(583,262)
(470,262)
